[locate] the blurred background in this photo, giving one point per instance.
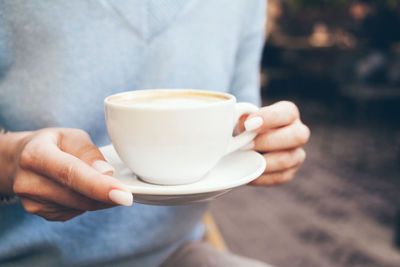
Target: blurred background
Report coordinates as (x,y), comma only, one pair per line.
(339,61)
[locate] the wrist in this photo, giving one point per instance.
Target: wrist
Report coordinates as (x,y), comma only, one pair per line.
(11,143)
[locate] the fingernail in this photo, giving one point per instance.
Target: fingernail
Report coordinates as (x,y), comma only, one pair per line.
(121,197)
(249,146)
(103,167)
(253,123)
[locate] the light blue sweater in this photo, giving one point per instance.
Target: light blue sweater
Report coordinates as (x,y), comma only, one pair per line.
(59,59)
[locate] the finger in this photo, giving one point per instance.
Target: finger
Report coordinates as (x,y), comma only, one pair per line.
(78,143)
(283,160)
(44,157)
(41,189)
(276,177)
(291,136)
(274,116)
(48,211)
(240,126)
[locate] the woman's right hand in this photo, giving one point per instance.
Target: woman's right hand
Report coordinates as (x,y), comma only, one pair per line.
(59,174)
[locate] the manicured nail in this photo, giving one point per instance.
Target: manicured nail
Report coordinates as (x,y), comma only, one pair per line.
(103,167)
(253,123)
(121,197)
(249,146)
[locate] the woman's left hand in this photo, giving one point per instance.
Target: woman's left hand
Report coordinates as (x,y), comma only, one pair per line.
(281,136)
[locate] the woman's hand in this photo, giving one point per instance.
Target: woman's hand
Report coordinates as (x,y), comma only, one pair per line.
(60,174)
(281,136)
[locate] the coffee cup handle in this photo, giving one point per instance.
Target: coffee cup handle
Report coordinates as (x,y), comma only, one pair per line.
(245,137)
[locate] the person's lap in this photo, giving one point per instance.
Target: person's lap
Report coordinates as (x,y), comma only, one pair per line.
(190,254)
(204,255)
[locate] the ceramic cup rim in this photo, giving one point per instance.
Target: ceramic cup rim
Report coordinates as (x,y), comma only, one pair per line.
(226,98)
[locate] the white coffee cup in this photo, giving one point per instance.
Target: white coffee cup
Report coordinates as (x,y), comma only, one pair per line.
(174,136)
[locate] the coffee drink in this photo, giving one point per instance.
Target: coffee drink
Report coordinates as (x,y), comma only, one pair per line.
(168,100)
(173,136)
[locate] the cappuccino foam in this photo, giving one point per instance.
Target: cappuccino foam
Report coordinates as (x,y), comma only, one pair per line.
(169,101)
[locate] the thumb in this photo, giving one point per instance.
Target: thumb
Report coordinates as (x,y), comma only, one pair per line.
(271,117)
(78,143)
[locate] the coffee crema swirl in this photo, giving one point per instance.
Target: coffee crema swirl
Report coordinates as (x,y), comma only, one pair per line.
(167,99)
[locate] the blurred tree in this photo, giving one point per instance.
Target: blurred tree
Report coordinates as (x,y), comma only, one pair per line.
(298,5)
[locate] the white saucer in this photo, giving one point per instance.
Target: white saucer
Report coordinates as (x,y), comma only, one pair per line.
(233,170)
